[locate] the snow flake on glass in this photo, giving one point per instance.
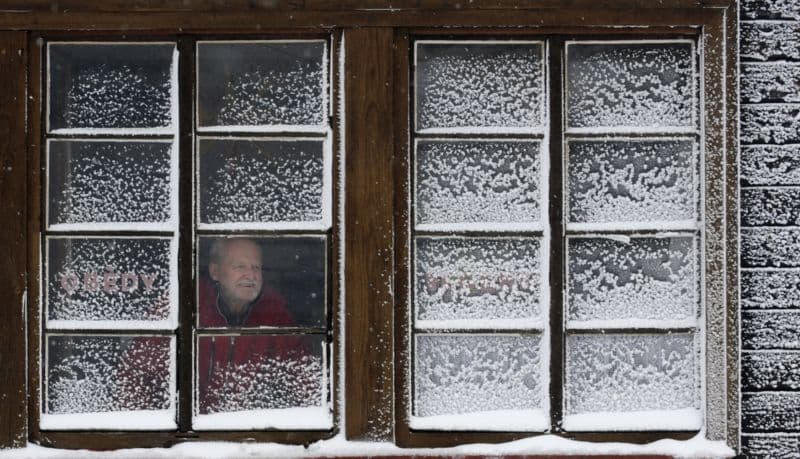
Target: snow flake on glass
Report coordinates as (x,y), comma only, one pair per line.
(474,182)
(631,85)
(645,181)
(262,84)
(456,374)
(242,373)
(490,85)
(111,86)
(261,181)
(627,372)
(645,278)
(108,281)
(109,182)
(96,374)
(475,279)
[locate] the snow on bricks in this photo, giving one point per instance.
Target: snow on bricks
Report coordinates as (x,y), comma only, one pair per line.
(773,289)
(771,123)
(771,330)
(770,446)
(770,206)
(770,165)
(770,371)
(771,412)
(770,40)
(770,247)
(770,82)
(770,9)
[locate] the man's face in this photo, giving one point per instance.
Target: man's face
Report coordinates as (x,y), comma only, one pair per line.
(239,272)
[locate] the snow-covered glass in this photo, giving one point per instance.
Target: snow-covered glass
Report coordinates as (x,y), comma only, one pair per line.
(112,87)
(111,184)
(479,86)
(262,86)
(478,282)
(280,281)
(111,283)
(261,183)
(631,86)
(482,184)
(622,184)
(479,382)
(633,281)
(262,382)
(109,382)
(632,382)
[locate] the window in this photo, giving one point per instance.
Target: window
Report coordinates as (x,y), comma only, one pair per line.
(453,222)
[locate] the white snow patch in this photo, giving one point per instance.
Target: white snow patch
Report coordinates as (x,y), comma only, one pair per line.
(497,420)
(302,418)
(127,420)
(613,421)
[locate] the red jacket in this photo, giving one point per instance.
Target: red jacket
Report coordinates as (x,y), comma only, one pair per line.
(234,370)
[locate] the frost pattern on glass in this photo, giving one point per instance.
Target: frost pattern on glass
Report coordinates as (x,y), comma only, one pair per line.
(260,181)
(87,374)
(459,278)
(632,181)
(654,278)
(257,84)
(630,85)
(467,374)
(621,373)
(474,182)
(99,279)
(239,373)
(94,182)
(479,85)
(110,85)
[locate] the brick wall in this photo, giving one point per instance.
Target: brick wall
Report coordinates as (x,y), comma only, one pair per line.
(770,219)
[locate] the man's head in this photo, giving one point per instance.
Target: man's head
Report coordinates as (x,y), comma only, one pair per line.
(235,264)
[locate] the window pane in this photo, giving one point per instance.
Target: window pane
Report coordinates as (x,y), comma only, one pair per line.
(478,184)
(265,281)
(631,85)
(262,382)
(649,182)
(111,283)
(280,184)
(92,379)
(478,282)
(111,86)
(632,382)
(109,182)
(630,282)
(479,87)
(478,382)
(262,84)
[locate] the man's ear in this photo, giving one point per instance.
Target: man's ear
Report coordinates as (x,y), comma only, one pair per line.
(213,271)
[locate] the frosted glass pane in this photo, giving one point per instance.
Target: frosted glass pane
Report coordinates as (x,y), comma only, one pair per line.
(474,279)
(646,85)
(632,181)
(262,281)
(240,373)
(110,85)
(261,180)
(109,182)
(655,278)
(109,279)
(478,182)
(95,374)
(485,85)
(622,373)
(472,373)
(259,84)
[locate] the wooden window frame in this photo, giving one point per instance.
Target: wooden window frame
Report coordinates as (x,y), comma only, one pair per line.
(370,330)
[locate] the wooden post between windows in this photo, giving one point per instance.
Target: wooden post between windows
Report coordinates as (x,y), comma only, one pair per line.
(368,236)
(13,215)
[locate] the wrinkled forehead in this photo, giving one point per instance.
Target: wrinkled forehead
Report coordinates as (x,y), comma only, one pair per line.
(241,250)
